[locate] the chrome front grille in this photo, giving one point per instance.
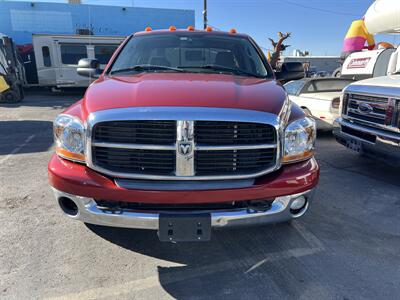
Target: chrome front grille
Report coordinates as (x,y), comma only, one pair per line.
(367,108)
(244,144)
(373,110)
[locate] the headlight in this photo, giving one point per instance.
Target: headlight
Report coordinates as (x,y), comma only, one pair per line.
(69,135)
(299,140)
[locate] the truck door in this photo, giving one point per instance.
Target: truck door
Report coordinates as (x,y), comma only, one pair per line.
(46,60)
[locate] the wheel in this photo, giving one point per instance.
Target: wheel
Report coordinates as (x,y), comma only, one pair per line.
(337,73)
(10,97)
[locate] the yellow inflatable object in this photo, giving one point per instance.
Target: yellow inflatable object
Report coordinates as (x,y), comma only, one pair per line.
(3,84)
(356,37)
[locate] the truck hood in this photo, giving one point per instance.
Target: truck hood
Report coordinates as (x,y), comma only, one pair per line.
(184,89)
(322,96)
(384,81)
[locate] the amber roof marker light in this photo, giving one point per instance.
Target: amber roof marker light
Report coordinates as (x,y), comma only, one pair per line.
(148,29)
(209,28)
(233,30)
(172,28)
(190,28)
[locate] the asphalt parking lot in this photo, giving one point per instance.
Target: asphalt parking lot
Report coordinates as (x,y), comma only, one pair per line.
(345,247)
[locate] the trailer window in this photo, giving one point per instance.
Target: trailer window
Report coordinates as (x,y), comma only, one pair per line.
(46,56)
(103,53)
(71,54)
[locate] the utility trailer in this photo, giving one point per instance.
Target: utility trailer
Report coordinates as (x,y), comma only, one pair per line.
(57,57)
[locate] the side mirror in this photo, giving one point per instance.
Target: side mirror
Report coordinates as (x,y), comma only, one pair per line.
(290,71)
(89,68)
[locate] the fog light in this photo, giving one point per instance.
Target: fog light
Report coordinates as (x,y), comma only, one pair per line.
(298,203)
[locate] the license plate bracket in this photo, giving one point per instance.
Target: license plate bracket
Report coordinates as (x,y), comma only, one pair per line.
(354,144)
(184,227)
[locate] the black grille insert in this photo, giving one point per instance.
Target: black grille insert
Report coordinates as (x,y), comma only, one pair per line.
(233,162)
(116,205)
(233,133)
(136,132)
(147,162)
(362,135)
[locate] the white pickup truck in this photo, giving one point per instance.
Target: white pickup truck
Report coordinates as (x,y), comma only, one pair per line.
(370,115)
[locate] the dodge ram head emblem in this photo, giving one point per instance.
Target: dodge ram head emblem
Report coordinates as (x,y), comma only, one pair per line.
(365,108)
(185,148)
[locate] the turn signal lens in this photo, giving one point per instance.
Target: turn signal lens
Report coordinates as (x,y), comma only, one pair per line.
(298,157)
(70,155)
(172,28)
(190,28)
(148,29)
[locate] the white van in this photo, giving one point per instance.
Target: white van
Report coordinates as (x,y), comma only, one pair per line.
(57,56)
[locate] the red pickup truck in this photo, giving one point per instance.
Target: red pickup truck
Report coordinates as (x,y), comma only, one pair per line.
(184,130)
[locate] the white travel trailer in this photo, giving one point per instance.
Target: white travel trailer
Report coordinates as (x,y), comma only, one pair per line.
(366,64)
(57,57)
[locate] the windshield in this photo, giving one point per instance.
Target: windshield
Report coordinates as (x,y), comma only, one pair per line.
(196,52)
(294,87)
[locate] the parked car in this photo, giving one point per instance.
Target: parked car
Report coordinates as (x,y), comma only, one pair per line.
(370,115)
(322,74)
(183,131)
(318,97)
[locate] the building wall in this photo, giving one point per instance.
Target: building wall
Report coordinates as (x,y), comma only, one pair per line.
(20,20)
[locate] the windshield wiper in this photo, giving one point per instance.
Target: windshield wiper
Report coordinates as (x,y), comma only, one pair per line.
(141,68)
(225,69)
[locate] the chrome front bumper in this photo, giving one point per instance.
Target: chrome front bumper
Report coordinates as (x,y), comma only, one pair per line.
(386,145)
(88,212)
